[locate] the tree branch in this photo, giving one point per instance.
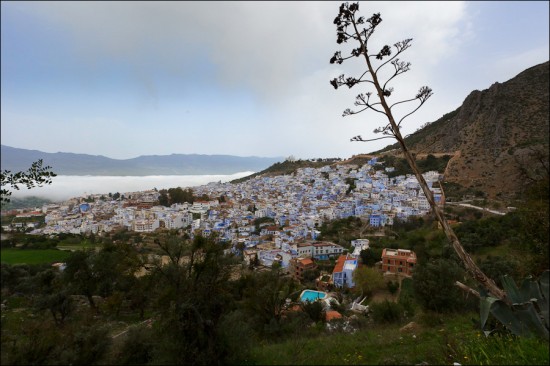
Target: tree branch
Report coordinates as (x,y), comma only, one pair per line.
(467,289)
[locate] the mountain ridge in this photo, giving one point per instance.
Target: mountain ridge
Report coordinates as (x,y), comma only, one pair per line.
(67,163)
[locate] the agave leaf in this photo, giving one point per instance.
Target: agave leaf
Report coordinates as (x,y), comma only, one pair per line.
(542,302)
(485,308)
(528,313)
(543,281)
(525,289)
(528,317)
(512,290)
(534,290)
(507,317)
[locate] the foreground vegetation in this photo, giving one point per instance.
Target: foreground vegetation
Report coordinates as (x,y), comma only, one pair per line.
(244,323)
(98,312)
(441,340)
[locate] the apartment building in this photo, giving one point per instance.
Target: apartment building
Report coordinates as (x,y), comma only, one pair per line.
(297,267)
(401,261)
(320,250)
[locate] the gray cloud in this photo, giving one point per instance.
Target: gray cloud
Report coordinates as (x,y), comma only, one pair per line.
(267,46)
(277,54)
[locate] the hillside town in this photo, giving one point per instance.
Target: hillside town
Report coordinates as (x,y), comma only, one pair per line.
(292,208)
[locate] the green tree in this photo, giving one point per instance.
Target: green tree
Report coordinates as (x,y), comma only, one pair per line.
(370,256)
(434,288)
(265,296)
(350,26)
(163,198)
(51,295)
(109,271)
(367,280)
(534,216)
(12,276)
(192,295)
(392,286)
(311,275)
(315,310)
(138,347)
(35,176)
(498,266)
(80,275)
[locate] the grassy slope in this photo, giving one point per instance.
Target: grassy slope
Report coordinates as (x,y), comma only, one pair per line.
(285,167)
(456,339)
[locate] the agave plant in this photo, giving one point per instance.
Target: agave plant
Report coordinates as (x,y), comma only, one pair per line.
(526,314)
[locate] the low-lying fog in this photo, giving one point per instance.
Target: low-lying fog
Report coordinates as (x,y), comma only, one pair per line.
(64,187)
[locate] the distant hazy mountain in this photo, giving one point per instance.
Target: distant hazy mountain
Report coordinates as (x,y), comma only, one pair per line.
(15,159)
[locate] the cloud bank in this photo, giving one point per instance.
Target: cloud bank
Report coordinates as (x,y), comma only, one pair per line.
(64,187)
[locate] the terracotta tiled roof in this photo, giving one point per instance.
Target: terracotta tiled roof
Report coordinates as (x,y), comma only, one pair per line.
(306,261)
(339,267)
(332,314)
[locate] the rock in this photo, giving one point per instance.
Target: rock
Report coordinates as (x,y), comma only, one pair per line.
(412,326)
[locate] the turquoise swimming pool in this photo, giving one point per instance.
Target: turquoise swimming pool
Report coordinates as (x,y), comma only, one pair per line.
(310,295)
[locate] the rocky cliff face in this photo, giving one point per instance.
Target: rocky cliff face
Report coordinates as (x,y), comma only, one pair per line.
(493,134)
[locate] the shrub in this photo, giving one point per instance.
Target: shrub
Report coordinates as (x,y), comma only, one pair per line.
(386,312)
(137,347)
(314,310)
(433,285)
(392,286)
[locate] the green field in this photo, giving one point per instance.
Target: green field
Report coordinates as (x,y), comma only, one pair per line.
(33,256)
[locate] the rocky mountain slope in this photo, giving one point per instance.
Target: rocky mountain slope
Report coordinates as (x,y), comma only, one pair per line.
(496,135)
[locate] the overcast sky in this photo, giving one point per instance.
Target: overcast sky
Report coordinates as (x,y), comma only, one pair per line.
(124,79)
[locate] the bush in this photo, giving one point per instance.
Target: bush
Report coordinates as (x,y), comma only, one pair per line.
(386,312)
(314,310)
(496,266)
(137,347)
(434,287)
(392,286)
(408,304)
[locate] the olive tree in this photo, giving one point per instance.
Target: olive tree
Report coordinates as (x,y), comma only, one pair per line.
(35,176)
(350,26)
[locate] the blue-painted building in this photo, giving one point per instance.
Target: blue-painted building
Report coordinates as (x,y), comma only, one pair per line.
(375,220)
(84,207)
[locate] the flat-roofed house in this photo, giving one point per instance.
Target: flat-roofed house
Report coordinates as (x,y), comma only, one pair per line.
(401,261)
